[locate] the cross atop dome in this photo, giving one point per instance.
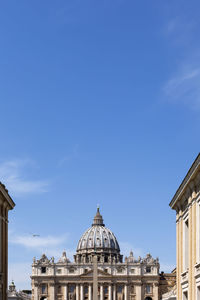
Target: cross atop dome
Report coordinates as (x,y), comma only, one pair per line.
(98,220)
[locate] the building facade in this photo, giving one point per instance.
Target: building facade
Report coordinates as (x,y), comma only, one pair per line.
(112,279)
(186,202)
(6,203)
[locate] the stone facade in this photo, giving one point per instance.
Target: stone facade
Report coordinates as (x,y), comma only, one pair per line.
(6,203)
(186,202)
(98,271)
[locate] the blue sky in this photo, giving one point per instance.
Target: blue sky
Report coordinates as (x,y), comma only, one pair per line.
(100,104)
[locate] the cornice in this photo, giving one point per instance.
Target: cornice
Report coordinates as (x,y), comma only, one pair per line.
(190,174)
(6,196)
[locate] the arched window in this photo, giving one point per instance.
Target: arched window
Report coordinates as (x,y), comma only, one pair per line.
(148,298)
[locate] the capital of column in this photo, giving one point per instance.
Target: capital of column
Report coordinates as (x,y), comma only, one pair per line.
(52,284)
(155,284)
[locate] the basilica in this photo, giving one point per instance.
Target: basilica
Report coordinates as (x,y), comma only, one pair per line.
(115,278)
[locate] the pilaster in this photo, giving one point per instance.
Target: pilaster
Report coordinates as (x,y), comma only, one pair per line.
(81,292)
(114,291)
(90,292)
(110,292)
(139,292)
(65,292)
(101,292)
(52,291)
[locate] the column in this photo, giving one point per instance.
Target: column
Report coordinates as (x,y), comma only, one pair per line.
(101,292)
(77,292)
(36,292)
(65,292)
(155,291)
(139,292)
(110,292)
(90,292)
(81,292)
(52,291)
(114,292)
(125,292)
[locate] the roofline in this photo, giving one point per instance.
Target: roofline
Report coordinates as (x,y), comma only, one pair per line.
(7,197)
(185,181)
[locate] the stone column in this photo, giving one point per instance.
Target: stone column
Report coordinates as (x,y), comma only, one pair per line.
(155,291)
(114,292)
(101,292)
(52,291)
(125,292)
(139,292)
(90,292)
(36,292)
(81,292)
(110,292)
(65,292)
(77,292)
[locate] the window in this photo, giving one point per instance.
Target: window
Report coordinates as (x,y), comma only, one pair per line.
(185,295)
(132,271)
(148,269)
(132,290)
(119,270)
(59,271)
(71,270)
(43,289)
(59,289)
(119,289)
(148,289)
(198,292)
(43,269)
(106,290)
(71,288)
(85,290)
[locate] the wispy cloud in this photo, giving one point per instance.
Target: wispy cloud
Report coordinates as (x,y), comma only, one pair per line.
(184,87)
(30,241)
(126,247)
(12,174)
(72,155)
(20,273)
(179,30)
(50,245)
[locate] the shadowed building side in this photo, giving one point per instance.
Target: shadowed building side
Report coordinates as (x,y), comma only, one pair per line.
(6,204)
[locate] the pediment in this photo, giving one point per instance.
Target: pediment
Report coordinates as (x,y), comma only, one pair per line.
(99,273)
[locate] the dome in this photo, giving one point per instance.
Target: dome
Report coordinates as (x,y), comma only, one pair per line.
(98,239)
